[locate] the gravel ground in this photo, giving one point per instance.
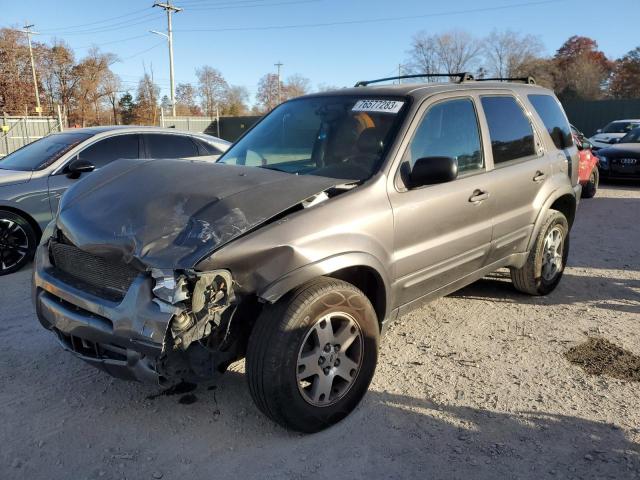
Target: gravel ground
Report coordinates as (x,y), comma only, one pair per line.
(474,385)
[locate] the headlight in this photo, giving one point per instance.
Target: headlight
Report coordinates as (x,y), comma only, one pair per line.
(169,287)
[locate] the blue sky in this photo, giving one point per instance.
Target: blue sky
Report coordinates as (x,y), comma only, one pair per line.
(332,47)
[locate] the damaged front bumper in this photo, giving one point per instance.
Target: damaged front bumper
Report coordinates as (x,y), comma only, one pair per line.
(132,338)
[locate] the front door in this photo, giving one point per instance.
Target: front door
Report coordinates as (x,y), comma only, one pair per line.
(442,232)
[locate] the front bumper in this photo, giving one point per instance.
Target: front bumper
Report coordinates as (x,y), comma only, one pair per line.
(123,338)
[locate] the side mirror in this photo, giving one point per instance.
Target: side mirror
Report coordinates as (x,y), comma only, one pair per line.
(78,166)
(586,145)
(432,170)
(614,140)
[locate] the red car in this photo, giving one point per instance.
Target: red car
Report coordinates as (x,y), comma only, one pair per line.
(587,166)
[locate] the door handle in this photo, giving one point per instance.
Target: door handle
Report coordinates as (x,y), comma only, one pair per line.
(539,176)
(478,196)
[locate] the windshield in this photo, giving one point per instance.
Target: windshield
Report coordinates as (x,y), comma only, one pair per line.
(42,153)
(632,137)
(620,127)
(339,137)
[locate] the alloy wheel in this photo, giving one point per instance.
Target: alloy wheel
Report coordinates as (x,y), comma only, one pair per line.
(329,359)
(552,254)
(14,244)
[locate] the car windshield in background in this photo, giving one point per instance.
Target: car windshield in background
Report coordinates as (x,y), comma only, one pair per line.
(43,152)
(620,127)
(339,137)
(632,137)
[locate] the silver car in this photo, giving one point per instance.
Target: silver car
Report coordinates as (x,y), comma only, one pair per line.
(33,178)
(334,215)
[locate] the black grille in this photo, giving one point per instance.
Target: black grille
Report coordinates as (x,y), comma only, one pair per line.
(100,276)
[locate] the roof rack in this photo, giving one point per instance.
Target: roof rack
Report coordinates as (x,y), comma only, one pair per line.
(462,77)
(528,80)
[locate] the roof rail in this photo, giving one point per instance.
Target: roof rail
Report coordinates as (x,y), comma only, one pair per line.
(528,80)
(462,77)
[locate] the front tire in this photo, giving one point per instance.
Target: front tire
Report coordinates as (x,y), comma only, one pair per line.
(591,187)
(18,242)
(543,270)
(312,355)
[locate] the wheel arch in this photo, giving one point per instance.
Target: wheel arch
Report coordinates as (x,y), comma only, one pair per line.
(26,216)
(562,200)
(361,269)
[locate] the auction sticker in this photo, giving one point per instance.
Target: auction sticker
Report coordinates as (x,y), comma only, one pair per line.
(380,106)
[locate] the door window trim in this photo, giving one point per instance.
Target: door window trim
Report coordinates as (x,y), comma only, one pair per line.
(537,143)
(424,108)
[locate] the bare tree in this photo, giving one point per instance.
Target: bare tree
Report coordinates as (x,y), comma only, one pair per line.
(186,103)
(212,88)
(295,86)
(91,72)
(110,88)
(506,52)
(235,102)
(267,94)
(60,77)
(146,105)
(450,52)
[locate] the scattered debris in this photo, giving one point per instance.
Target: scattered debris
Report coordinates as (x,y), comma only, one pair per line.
(598,356)
(180,388)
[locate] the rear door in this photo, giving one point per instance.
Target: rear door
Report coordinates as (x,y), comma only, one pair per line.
(520,169)
(442,232)
(99,153)
(167,145)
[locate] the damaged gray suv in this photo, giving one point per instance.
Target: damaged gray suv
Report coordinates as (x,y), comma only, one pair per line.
(337,213)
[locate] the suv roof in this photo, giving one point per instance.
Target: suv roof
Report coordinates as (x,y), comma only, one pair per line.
(422,90)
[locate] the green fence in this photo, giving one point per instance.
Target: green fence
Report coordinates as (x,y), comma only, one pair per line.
(589,116)
(230,128)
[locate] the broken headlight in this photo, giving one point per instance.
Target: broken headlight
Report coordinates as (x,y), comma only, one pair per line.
(196,299)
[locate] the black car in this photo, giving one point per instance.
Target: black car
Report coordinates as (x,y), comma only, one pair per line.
(622,160)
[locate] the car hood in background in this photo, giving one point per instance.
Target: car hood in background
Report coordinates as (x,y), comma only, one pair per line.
(172,213)
(13,177)
(621,150)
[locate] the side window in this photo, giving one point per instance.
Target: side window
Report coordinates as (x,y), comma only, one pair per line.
(113,148)
(170,146)
(449,129)
(509,128)
(205,148)
(554,120)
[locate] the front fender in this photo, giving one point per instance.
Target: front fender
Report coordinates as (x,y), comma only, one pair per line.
(276,289)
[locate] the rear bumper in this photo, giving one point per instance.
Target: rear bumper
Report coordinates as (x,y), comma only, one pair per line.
(123,338)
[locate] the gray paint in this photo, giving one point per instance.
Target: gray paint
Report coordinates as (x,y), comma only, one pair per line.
(418,243)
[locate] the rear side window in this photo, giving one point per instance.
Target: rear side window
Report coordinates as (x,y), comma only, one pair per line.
(509,128)
(170,146)
(113,148)
(449,129)
(205,148)
(554,120)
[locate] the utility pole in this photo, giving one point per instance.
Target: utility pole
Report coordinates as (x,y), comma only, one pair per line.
(27,30)
(169,35)
(279,65)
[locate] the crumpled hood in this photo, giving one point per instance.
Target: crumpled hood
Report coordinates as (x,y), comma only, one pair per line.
(172,213)
(14,177)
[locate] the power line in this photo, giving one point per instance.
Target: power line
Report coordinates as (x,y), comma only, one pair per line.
(143,51)
(69,27)
(373,20)
(107,28)
(290,2)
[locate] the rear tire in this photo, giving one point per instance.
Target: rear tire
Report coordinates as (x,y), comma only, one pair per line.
(590,188)
(545,265)
(18,242)
(312,355)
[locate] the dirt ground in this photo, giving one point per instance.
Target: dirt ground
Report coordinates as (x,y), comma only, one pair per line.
(475,385)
